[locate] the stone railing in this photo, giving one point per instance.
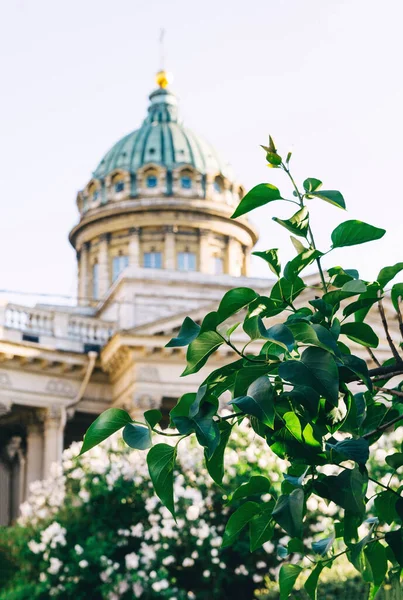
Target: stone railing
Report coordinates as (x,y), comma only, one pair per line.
(89,330)
(35,321)
(61,326)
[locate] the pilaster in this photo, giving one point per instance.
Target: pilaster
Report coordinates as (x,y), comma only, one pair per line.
(83,275)
(53,429)
(134,247)
(103,265)
(170,251)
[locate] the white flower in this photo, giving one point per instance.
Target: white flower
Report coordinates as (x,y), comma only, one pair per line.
(257,578)
(132,561)
(138,590)
(214,552)
(78,549)
(261,564)
(83,564)
(268,547)
(168,560)
(192,513)
(160,585)
(36,547)
(188,562)
(241,570)
(55,565)
(206,573)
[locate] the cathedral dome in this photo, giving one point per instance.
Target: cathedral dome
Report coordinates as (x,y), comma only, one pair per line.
(163,140)
(161,198)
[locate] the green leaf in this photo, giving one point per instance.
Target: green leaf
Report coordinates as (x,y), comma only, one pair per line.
(200,349)
(258,196)
(235,300)
(298,224)
(238,520)
(161,461)
(300,262)
(187,333)
(385,507)
(311,184)
(323,546)
(353,449)
(215,463)
(316,369)
(388,273)
(396,293)
(356,286)
(332,196)
(293,425)
(358,366)
(394,539)
(361,333)
(111,420)
(314,335)
(287,578)
(355,232)
(311,583)
(286,291)
(200,420)
(273,159)
(375,554)
(346,489)
(358,305)
(206,428)
(257,484)
(153,417)
(261,527)
(395,460)
(259,401)
(137,436)
(288,512)
(271,257)
(182,407)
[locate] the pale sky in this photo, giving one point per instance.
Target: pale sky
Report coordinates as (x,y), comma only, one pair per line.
(324,77)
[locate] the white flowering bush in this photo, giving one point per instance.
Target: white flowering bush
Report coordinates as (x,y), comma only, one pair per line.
(95,528)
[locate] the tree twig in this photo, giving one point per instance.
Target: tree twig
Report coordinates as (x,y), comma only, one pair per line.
(386,328)
(391,392)
(399,316)
(373,357)
(383,427)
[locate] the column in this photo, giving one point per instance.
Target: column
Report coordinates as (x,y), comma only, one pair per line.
(246,261)
(53,430)
(233,257)
(134,247)
(205,253)
(169,251)
(83,274)
(103,266)
(34,455)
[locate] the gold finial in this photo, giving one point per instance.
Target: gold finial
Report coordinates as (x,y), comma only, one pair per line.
(163,79)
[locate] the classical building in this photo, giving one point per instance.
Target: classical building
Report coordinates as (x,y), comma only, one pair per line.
(154,243)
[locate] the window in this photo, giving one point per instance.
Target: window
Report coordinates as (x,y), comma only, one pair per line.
(151,181)
(217,186)
(119,186)
(186,182)
(186,261)
(95,195)
(218,265)
(153,260)
(118,264)
(95,281)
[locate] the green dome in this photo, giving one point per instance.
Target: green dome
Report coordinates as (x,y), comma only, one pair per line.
(163,140)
